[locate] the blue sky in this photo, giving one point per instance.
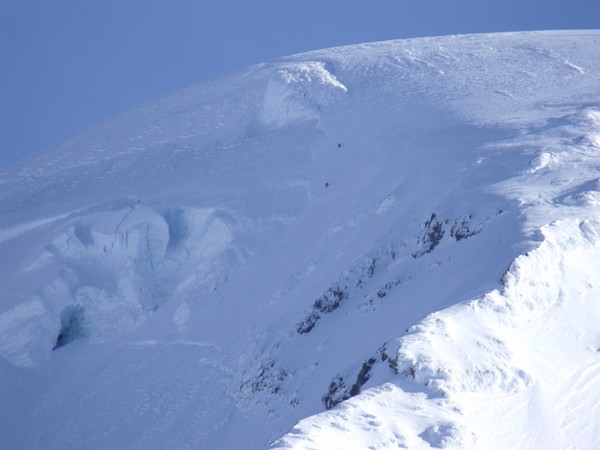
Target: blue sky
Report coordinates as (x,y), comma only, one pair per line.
(66,64)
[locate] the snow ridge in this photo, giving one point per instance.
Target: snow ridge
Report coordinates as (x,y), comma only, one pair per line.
(489,362)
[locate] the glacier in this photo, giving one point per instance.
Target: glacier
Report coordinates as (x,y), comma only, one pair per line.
(386,245)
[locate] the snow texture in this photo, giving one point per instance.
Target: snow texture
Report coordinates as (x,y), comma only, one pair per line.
(389,245)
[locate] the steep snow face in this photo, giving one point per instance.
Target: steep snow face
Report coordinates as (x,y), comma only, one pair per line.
(391,244)
(514,368)
(297,91)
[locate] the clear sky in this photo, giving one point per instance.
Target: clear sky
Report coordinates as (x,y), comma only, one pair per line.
(66,64)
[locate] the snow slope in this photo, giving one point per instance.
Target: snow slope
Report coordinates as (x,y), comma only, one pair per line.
(387,245)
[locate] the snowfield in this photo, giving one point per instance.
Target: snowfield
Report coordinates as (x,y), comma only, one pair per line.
(388,245)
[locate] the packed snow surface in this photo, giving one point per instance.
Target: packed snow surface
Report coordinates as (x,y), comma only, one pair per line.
(389,245)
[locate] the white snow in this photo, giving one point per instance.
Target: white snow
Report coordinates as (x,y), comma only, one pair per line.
(295,92)
(385,245)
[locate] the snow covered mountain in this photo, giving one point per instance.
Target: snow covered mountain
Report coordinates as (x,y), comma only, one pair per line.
(377,246)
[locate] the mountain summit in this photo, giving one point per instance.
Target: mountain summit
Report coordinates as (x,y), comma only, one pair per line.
(376,246)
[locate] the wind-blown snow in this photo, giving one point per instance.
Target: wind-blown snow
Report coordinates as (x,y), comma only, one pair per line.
(385,245)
